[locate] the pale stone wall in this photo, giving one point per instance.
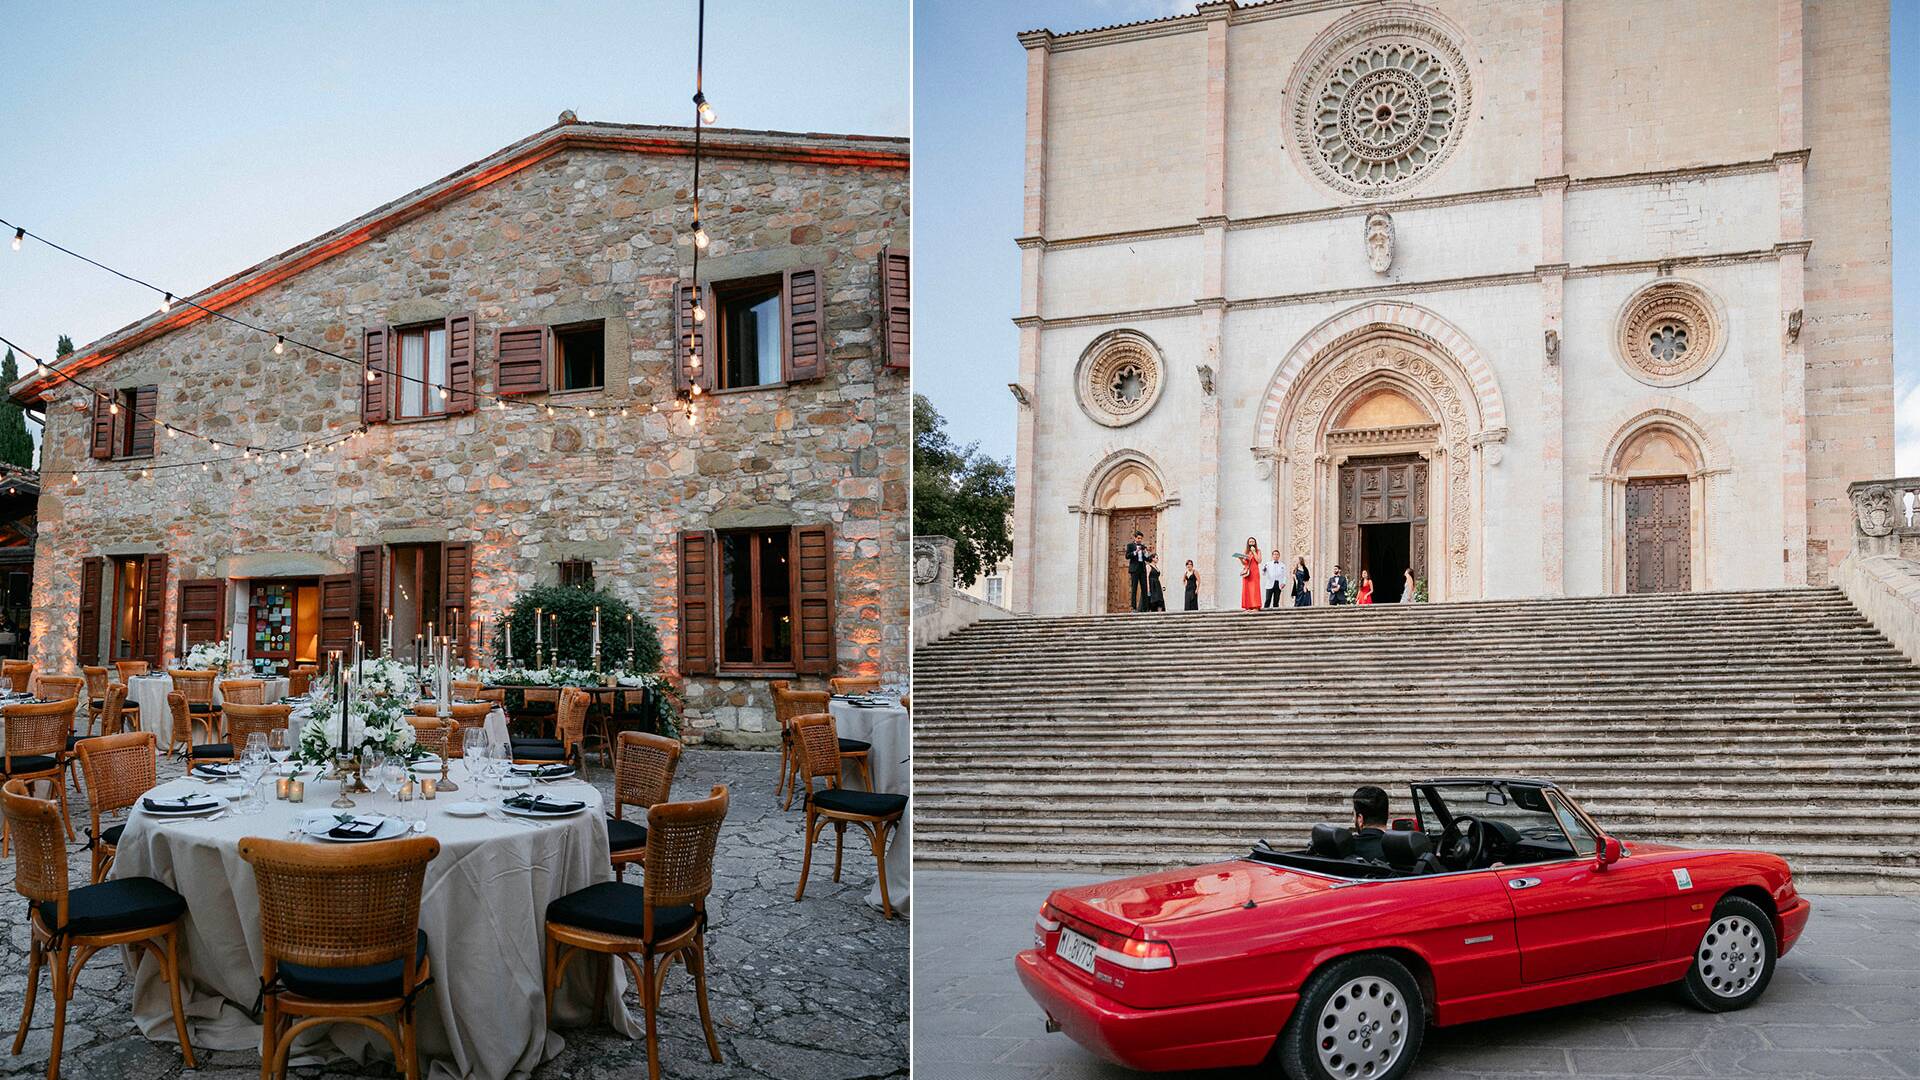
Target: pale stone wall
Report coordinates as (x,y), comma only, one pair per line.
(580,234)
(1609,145)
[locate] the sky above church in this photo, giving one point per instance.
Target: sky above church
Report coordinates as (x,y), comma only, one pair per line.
(969,127)
(190,143)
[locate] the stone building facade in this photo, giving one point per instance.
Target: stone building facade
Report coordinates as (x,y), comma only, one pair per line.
(1532,298)
(554,267)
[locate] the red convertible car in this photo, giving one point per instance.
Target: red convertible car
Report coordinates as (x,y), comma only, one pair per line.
(1501,896)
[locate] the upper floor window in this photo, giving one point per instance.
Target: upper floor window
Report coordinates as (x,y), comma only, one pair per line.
(123,422)
(749,338)
(416,372)
(580,356)
(423,371)
(758,331)
(576,573)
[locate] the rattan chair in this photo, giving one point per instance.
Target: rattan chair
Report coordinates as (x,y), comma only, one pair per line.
(300,680)
(18,673)
(570,725)
(464,715)
(432,734)
(876,813)
(129,668)
(197,687)
(117,714)
(68,926)
(36,748)
(60,687)
(662,920)
(854,684)
(643,768)
(321,968)
(98,679)
(183,724)
(789,705)
(239,692)
(119,768)
(244,720)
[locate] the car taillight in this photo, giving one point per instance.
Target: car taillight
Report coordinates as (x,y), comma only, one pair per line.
(1048,922)
(1135,954)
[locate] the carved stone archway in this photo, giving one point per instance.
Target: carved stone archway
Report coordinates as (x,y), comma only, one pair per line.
(1301,442)
(1125,480)
(1665,440)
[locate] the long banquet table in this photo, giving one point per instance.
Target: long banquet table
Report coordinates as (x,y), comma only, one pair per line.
(483,906)
(889,730)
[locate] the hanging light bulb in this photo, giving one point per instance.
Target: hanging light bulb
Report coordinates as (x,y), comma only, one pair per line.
(279,344)
(624,412)
(204,467)
(699,313)
(589,414)
(443,393)
(369,374)
(18,235)
(549,410)
(702,108)
(696,389)
(503,404)
(166,302)
(699,235)
(113,408)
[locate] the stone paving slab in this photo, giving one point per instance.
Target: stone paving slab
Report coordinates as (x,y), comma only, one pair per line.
(1844,1003)
(815,990)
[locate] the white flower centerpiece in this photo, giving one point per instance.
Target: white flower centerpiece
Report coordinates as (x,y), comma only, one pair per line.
(378,702)
(214,656)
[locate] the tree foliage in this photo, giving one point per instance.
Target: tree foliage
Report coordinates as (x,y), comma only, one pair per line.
(64,347)
(960,492)
(16,445)
(570,637)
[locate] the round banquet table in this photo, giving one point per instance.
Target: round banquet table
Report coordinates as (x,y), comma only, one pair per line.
(889,730)
(483,905)
(150,693)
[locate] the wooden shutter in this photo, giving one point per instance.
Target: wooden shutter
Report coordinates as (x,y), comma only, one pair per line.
(91,569)
(522,366)
(145,404)
(805,325)
(203,610)
(153,613)
(460,352)
(101,440)
(375,351)
(369,565)
(816,645)
(685,329)
(456,586)
(698,581)
(338,601)
(896,281)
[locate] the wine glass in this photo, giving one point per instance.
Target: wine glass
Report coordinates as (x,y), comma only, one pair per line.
(373,767)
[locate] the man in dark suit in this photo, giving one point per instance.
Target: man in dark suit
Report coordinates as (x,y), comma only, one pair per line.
(1137,571)
(1369,822)
(1337,587)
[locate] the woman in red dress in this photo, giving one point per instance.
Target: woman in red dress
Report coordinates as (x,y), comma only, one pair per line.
(1366,587)
(1249,575)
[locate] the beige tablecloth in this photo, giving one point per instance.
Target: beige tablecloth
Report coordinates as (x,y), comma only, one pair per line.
(890,730)
(150,693)
(483,906)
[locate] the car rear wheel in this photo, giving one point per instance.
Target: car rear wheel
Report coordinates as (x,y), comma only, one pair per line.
(1360,1018)
(1734,961)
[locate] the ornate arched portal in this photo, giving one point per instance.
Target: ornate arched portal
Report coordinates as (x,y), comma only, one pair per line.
(1385,415)
(1125,492)
(1655,489)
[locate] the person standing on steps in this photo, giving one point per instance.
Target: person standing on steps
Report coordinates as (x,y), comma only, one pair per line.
(1336,587)
(1137,571)
(1193,587)
(1406,586)
(1302,584)
(1366,587)
(1249,575)
(1273,578)
(1156,598)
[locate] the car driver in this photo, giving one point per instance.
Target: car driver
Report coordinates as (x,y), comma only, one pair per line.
(1369,822)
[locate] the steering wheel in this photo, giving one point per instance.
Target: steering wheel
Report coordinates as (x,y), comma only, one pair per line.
(1463,846)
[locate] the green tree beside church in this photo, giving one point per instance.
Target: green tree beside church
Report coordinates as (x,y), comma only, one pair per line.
(16,445)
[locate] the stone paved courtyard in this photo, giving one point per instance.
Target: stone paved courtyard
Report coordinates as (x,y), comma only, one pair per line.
(816,989)
(1844,1003)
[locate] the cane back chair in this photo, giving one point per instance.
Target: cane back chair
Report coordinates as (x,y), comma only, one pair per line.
(788,705)
(119,769)
(18,673)
(463,714)
(197,687)
(118,714)
(98,679)
(643,769)
(570,728)
(244,720)
(184,721)
(854,684)
(875,813)
(129,668)
(36,748)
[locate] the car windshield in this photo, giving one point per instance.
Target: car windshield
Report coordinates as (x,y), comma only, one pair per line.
(1530,812)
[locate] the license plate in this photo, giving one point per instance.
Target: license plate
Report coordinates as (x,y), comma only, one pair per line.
(1075,949)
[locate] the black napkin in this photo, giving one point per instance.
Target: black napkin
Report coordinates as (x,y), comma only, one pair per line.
(545,771)
(177,804)
(353,829)
(216,772)
(543,804)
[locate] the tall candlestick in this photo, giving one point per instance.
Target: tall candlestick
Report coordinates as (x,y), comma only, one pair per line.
(418,646)
(509,640)
(386,644)
(596,637)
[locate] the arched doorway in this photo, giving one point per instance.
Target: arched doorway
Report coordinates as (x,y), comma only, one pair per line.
(1383,442)
(1123,495)
(1656,493)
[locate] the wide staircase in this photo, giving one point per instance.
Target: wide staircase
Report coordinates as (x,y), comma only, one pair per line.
(1778,720)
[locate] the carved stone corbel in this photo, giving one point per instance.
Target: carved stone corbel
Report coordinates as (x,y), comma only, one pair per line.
(1553,348)
(1793,325)
(1020,395)
(1206,378)
(1265,458)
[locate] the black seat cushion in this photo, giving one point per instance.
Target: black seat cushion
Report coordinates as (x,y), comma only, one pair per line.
(536,740)
(113,906)
(864,803)
(623,835)
(615,907)
(199,707)
(213,750)
(526,751)
(97,704)
(369,982)
(110,835)
(854,746)
(1330,841)
(76,740)
(30,763)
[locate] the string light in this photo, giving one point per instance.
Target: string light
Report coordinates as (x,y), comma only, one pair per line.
(699,235)
(166,302)
(19,234)
(279,344)
(699,312)
(702,109)
(113,408)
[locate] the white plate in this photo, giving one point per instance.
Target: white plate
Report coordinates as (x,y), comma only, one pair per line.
(467,809)
(294,768)
(195,811)
(197,773)
(317,825)
(426,765)
(517,812)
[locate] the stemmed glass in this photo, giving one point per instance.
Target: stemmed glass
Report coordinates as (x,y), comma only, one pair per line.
(254,763)
(473,750)
(373,767)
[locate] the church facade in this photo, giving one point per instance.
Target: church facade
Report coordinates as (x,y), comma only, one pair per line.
(1556,297)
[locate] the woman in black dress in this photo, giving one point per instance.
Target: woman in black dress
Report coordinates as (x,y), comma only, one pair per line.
(1193,588)
(1302,588)
(1156,597)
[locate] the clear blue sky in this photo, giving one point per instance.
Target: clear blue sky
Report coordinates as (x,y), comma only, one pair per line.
(969,124)
(186,141)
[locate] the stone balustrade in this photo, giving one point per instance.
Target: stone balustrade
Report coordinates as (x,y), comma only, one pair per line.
(1881,575)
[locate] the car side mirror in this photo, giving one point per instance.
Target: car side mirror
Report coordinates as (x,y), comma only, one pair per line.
(1607,853)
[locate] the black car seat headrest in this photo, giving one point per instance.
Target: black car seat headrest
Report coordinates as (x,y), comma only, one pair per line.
(1331,841)
(1403,848)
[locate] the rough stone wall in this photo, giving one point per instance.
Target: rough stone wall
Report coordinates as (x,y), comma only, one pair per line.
(584,234)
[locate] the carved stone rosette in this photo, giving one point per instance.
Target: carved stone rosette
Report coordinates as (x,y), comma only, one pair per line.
(1120,378)
(1670,332)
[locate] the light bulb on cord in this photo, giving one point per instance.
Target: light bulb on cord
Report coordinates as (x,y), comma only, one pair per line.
(369,374)
(18,235)
(443,393)
(113,408)
(699,235)
(702,109)
(696,389)
(279,344)
(699,313)
(166,302)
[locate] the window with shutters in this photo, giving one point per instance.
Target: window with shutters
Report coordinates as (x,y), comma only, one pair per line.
(123,422)
(580,356)
(413,595)
(576,573)
(756,598)
(748,337)
(421,371)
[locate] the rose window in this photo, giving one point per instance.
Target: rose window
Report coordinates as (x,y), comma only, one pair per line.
(1120,378)
(1375,116)
(1128,384)
(1670,333)
(1668,342)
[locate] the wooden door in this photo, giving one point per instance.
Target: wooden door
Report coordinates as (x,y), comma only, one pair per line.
(1382,491)
(1659,531)
(1120,527)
